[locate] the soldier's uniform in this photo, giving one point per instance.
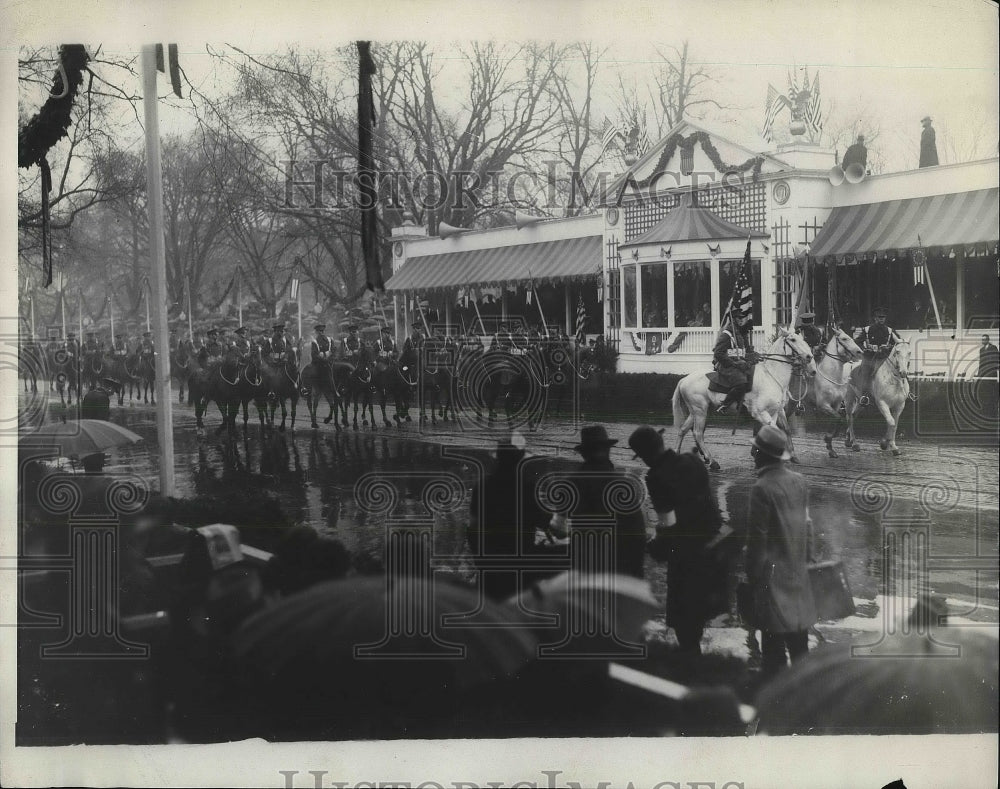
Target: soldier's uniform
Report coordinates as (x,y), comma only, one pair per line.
(120,346)
(91,346)
(732,357)
(172,341)
(416,340)
(211,351)
(812,334)
(242,344)
(72,345)
(875,341)
(146,348)
(385,345)
(277,345)
(351,345)
(322,346)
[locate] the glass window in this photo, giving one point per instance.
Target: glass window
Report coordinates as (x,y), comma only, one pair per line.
(628,281)
(982,292)
(654,296)
(728,269)
(692,293)
(614,298)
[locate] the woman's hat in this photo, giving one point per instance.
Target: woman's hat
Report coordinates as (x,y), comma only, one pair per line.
(772,442)
(646,441)
(593,437)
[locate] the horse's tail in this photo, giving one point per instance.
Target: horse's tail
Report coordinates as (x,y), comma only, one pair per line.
(679,407)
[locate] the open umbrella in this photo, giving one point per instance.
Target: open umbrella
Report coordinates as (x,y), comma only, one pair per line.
(591,604)
(835,691)
(362,657)
(81,437)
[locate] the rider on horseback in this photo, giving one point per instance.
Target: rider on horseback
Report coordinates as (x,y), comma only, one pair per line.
(242,344)
(211,351)
(277,346)
(385,346)
(733,358)
(351,345)
(415,341)
(876,340)
(812,334)
(121,346)
(146,348)
(91,346)
(322,346)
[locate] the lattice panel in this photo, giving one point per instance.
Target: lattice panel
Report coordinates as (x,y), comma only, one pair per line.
(747,208)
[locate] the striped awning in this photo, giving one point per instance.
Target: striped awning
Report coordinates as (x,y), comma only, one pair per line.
(938,221)
(547,261)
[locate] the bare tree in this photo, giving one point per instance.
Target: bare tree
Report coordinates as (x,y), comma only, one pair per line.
(845,124)
(682,88)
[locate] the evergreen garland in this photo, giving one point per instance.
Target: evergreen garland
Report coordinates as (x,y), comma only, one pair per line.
(687,144)
(50,123)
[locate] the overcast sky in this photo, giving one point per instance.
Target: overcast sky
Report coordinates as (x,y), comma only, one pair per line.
(901,61)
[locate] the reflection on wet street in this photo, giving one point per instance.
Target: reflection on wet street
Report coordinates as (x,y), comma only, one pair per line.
(950,496)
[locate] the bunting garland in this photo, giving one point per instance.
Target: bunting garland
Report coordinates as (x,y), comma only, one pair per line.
(753,164)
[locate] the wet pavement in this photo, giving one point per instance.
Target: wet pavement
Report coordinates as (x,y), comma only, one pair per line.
(947,493)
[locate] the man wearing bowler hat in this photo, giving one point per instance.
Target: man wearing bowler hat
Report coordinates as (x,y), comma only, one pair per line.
(777,553)
(605,497)
(687,519)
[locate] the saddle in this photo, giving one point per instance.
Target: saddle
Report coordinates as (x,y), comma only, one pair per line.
(715,384)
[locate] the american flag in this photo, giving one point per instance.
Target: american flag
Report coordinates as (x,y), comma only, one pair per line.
(643,143)
(581,320)
(815,116)
(610,134)
(740,306)
(775,101)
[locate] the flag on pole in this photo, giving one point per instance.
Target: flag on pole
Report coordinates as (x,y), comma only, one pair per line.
(581,320)
(815,117)
(293,290)
(610,134)
(172,64)
(774,102)
(642,144)
(740,308)
(366,169)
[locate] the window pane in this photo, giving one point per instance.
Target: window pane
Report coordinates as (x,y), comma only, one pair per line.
(692,293)
(982,292)
(614,298)
(628,278)
(728,269)
(654,296)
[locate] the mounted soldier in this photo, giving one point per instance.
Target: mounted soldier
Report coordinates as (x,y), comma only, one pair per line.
(242,344)
(876,341)
(120,346)
(277,346)
(416,340)
(172,341)
(812,334)
(733,357)
(146,348)
(72,345)
(211,352)
(351,345)
(321,349)
(91,346)
(385,346)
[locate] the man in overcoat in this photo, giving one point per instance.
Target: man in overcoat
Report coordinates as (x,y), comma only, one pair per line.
(777,553)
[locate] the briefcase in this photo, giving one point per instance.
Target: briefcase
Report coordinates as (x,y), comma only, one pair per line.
(831,591)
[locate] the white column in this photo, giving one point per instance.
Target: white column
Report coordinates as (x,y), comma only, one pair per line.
(959,295)
(503,303)
(158,272)
(569,309)
(447,312)
(395,317)
(672,322)
(713,268)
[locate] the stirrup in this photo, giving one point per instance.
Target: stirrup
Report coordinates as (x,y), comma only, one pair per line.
(864,400)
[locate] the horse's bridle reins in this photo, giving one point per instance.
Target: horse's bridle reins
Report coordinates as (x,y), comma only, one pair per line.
(842,359)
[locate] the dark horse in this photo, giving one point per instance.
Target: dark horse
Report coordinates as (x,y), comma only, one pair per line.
(281,383)
(397,379)
(181,365)
(218,382)
(32,363)
(359,383)
(436,375)
(517,380)
(329,380)
(564,367)
(67,375)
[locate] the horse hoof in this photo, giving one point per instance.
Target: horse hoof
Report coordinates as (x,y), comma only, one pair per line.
(387,423)
(281,428)
(794,459)
(883,445)
(408,419)
(896,452)
(714,465)
(315,426)
(833,454)
(325,421)
(855,447)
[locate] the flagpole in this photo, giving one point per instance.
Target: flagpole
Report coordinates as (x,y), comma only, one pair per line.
(158,270)
(62,304)
(79,315)
(480,317)
(187,285)
(111,315)
(31,306)
(298,309)
(239,298)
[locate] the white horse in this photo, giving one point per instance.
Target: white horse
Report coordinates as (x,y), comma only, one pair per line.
(766,400)
(890,391)
(833,379)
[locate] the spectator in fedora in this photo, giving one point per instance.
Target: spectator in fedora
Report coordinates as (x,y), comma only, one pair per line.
(687,519)
(598,485)
(777,552)
(505,516)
